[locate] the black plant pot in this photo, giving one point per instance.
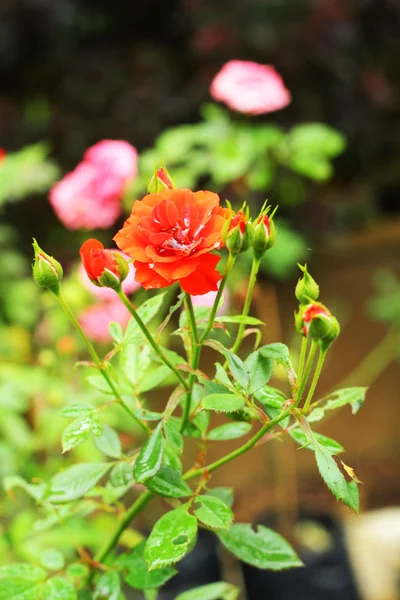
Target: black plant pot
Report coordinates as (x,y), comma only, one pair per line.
(327,575)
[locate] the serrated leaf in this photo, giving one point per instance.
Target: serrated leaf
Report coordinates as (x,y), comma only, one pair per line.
(149,460)
(229,431)
(223,493)
(108,442)
(108,586)
(136,573)
(334,478)
(238,369)
(211,591)
(223,402)
(58,588)
(354,396)
(76,481)
(171,458)
(271,397)
(170,538)
(259,369)
(75,410)
(221,375)
(213,512)
(278,352)
(121,474)
(20,581)
(79,429)
(168,483)
(263,548)
(173,435)
(52,559)
(146,311)
(301,438)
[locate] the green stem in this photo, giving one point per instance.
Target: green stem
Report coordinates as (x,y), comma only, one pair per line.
(148,336)
(141,502)
(97,360)
(307,371)
(211,319)
(196,350)
(317,373)
(250,289)
(303,352)
(130,514)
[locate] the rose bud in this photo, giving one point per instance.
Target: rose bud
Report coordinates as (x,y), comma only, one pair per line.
(264,233)
(104,268)
(47,271)
(307,289)
(161,180)
(238,236)
(315,321)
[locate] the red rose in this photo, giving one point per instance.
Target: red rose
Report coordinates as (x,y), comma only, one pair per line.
(171,234)
(103,267)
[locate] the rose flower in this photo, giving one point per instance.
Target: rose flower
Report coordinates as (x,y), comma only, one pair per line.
(171,235)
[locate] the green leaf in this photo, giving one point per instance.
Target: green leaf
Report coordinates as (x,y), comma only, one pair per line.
(278,352)
(171,457)
(223,493)
(271,397)
(76,481)
(121,474)
(75,410)
(211,591)
(301,438)
(169,483)
(108,586)
(170,538)
(147,415)
(79,430)
(263,548)
(149,460)
(213,512)
(354,396)
(108,442)
(238,369)
(259,369)
(334,478)
(58,588)
(229,431)
(317,138)
(152,379)
(223,402)
(239,319)
(19,581)
(173,435)
(222,376)
(52,559)
(136,572)
(116,332)
(35,490)
(147,311)
(78,573)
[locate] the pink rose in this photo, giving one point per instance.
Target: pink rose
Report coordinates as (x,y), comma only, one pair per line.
(96,319)
(129,285)
(90,196)
(249,87)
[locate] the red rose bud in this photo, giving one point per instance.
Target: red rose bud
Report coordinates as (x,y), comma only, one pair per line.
(315,321)
(104,268)
(237,238)
(47,271)
(160,181)
(307,289)
(3,155)
(264,234)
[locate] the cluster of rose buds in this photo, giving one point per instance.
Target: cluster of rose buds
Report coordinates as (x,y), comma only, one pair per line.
(240,233)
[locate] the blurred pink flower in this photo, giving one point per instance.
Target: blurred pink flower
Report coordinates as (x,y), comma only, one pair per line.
(117,157)
(96,319)
(209,299)
(249,87)
(89,197)
(129,285)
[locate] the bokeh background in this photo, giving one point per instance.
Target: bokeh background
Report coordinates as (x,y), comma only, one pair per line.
(73,72)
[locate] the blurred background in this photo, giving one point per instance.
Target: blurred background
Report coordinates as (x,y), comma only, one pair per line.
(73,72)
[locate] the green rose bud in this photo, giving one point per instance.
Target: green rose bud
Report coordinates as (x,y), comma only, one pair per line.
(307,289)
(264,233)
(237,238)
(316,322)
(47,271)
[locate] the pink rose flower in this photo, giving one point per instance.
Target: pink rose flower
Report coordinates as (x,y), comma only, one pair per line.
(249,87)
(90,196)
(129,285)
(96,319)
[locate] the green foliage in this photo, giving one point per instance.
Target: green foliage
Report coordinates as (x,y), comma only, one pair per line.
(169,483)
(75,481)
(213,512)
(353,396)
(136,573)
(107,586)
(212,591)
(148,462)
(170,538)
(263,548)
(229,431)
(223,402)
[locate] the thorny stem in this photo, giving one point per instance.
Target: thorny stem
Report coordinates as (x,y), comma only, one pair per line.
(303,382)
(317,373)
(252,281)
(143,500)
(97,361)
(196,349)
(149,338)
